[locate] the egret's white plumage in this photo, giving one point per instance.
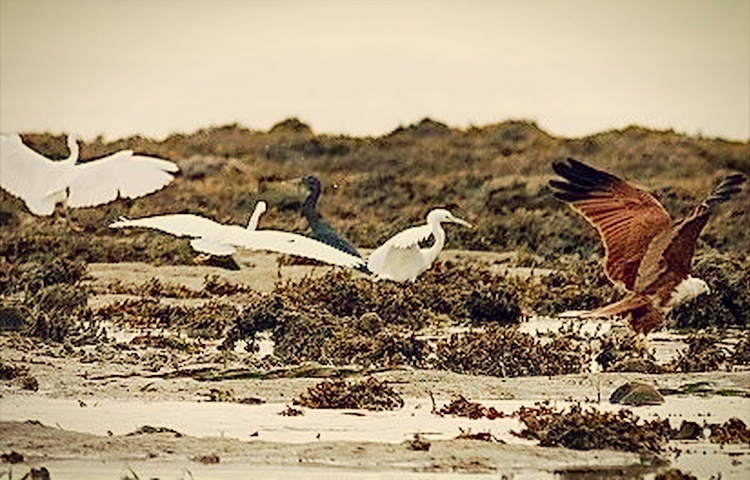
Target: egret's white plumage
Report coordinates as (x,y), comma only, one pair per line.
(218,239)
(41,183)
(400,258)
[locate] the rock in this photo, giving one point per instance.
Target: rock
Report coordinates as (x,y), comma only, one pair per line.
(689,431)
(636,394)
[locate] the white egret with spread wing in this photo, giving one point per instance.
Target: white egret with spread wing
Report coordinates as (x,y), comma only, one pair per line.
(401,259)
(42,183)
(219,239)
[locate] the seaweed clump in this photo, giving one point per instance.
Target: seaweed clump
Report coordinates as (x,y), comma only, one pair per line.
(589,429)
(369,394)
(702,355)
(495,352)
(43,297)
(461,407)
(741,354)
(733,430)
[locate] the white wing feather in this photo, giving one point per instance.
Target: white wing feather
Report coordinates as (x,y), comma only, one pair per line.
(212,246)
(180,225)
(410,237)
(215,235)
(29,175)
(41,182)
(293,244)
(120,174)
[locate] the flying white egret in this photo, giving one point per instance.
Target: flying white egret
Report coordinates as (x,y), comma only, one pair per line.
(400,258)
(218,239)
(42,183)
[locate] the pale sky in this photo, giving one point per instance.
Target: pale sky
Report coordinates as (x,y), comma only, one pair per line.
(364,67)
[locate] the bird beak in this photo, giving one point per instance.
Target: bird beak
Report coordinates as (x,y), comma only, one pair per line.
(461,222)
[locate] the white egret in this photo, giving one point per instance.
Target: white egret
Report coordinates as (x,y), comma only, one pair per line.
(218,239)
(400,258)
(42,183)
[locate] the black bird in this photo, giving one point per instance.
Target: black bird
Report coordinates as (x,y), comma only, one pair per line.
(322,230)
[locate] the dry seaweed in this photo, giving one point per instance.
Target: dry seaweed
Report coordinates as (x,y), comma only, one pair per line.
(674,474)
(495,351)
(702,355)
(9,372)
(461,407)
(369,394)
(480,436)
(733,430)
(588,429)
(290,411)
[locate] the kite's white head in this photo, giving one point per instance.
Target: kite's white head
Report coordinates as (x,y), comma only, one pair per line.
(688,289)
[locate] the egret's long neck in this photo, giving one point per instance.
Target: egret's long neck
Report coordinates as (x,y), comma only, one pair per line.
(73,147)
(308,207)
(430,254)
(254,218)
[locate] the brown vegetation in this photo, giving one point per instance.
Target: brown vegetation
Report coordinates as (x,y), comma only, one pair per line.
(495,176)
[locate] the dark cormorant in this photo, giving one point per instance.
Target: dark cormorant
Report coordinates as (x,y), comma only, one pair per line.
(322,230)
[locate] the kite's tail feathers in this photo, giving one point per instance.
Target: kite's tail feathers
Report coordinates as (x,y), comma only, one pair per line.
(623,307)
(642,315)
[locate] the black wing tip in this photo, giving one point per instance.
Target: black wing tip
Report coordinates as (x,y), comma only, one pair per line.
(580,178)
(729,186)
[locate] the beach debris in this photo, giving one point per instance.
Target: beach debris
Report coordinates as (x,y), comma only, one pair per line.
(487,305)
(208,459)
(149,430)
(418,443)
(28,382)
(588,429)
(674,474)
(9,371)
(636,394)
(480,436)
(369,394)
(461,407)
(625,351)
(494,351)
(37,474)
(733,430)
(290,411)
(11,457)
(741,353)
(702,355)
(637,365)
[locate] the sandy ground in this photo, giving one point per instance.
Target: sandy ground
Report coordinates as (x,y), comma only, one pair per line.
(90,398)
